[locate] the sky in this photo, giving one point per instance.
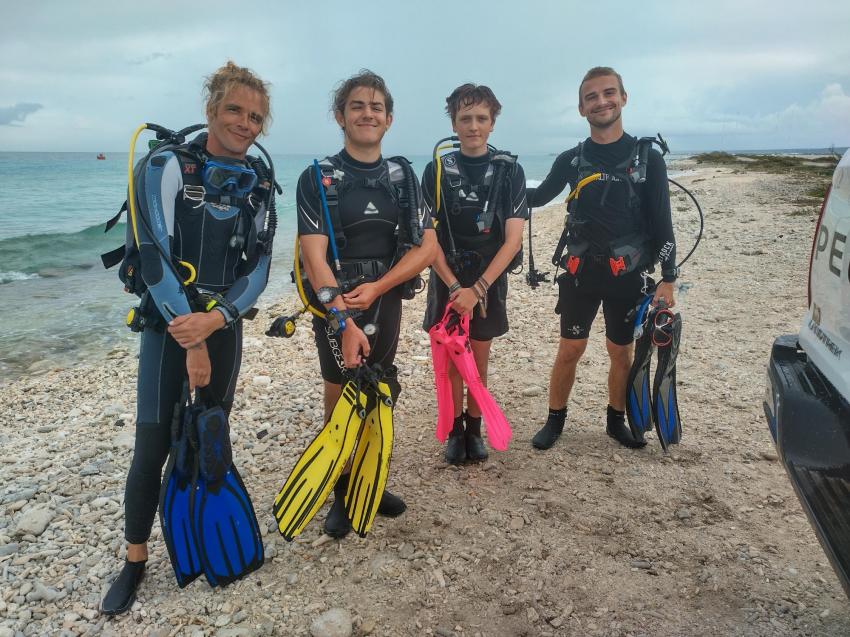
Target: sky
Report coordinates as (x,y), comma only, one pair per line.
(80,76)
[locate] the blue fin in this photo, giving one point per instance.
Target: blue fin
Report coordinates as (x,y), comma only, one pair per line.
(208,521)
(638,400)
(177,525)
(668,424)
(226,530)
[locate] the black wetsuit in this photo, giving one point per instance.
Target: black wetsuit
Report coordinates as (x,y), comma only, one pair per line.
(464,206)
(603,204)
(369,214)
(203,236)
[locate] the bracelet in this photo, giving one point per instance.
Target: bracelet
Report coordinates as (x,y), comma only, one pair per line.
(336,320)
(483,282)
(454,287)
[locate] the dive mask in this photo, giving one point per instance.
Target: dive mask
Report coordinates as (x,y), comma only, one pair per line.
(231,178)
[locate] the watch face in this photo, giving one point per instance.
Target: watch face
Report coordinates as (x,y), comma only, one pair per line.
(327,294)
(370,329)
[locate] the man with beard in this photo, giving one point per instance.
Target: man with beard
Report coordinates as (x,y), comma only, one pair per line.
(617,229)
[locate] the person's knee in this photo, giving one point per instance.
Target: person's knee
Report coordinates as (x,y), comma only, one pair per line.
(620,355)
(570,351)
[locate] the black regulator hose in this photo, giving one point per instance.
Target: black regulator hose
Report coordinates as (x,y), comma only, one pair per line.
(701,221)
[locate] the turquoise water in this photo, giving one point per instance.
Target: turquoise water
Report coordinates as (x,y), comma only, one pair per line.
(57,303)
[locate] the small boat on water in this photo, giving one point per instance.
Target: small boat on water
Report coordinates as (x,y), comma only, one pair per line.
(101,156)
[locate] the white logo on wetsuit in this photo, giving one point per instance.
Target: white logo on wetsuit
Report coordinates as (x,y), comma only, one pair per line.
(370,209)
(472,197)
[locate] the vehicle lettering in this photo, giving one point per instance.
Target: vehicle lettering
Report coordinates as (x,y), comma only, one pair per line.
(836,249)
(823,338)
(834,252)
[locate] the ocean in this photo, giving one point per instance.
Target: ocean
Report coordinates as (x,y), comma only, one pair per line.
(58,305)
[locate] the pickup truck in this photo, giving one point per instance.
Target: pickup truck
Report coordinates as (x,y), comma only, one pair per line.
(808,383)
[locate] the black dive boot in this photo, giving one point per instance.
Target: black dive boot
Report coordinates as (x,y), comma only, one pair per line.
(456,443)
(391,505)
(122,593)
(475,449)
(337,524)
(620,432)
(551,431)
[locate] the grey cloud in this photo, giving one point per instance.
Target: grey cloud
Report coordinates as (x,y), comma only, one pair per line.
(17,113)
(153,57)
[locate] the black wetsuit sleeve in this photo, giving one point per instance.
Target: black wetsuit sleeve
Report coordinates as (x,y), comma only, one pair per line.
(425,195)
(311,218)
(428,191)
(655,203)
(519,204)
(561,174)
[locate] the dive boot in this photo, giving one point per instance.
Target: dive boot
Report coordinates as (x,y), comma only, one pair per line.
(337,524)
(475,449)
(620,432)
(391,505)
(122,593)
(456,443)
(551,431)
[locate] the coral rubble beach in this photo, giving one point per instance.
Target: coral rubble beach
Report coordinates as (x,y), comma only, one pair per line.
(587,538)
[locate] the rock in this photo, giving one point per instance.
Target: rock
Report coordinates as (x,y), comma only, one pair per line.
(8,549)
(124,439)
(262,381)
(112,410)
(642,564)
(533,615)
(532,391)
(683,514)
(236,631)
(24,494)
(336,622)
(45,594)
(222,620)
(34,521)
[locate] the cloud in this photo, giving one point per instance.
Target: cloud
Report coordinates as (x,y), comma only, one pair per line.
(153,57)
(17,113)
(820,120)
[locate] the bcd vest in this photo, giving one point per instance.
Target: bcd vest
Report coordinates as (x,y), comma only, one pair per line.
(493,194)
(399,182)
(625,254)
(191,158)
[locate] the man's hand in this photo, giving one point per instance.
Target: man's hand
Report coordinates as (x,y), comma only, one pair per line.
(664,295)
(355,345)
(190,330)
(198,366)
(463,300)
(361,297)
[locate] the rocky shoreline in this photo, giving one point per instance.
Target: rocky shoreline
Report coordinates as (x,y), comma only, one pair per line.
(587,538)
